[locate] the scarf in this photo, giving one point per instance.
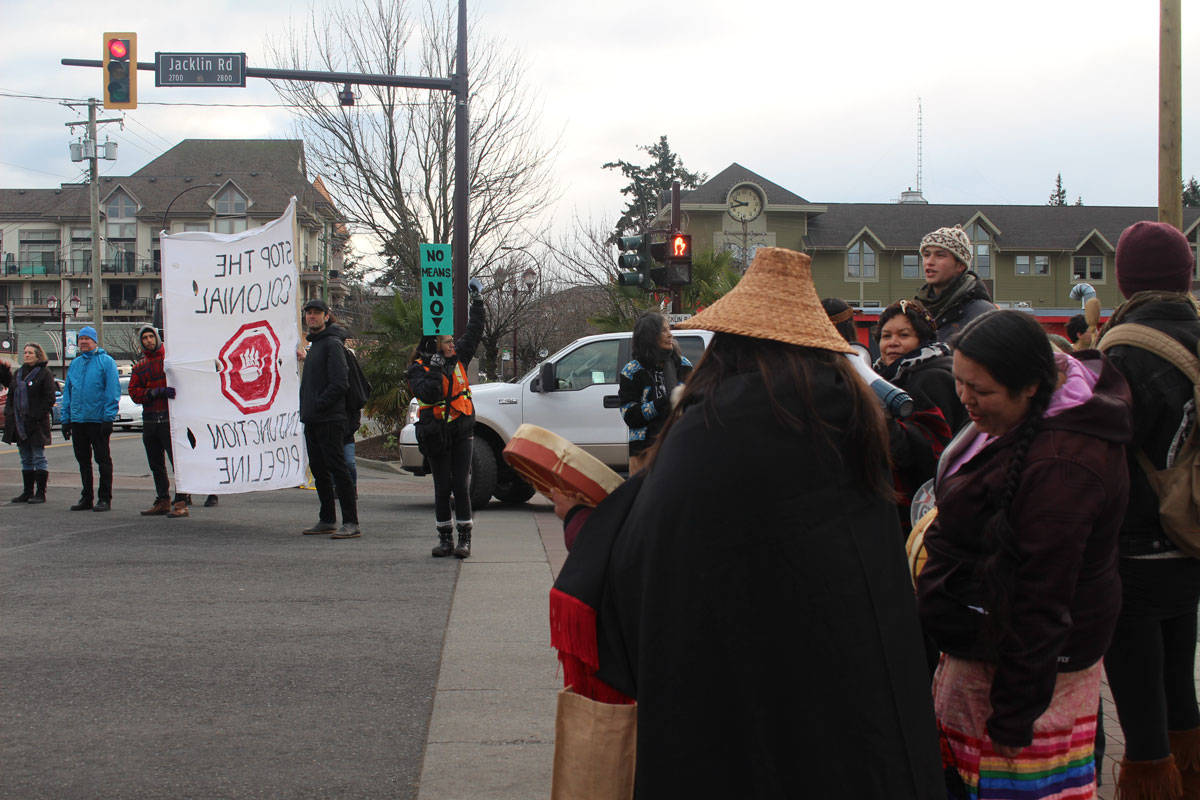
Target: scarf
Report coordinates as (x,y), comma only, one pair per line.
(905,363)
(21,399)
(965,287)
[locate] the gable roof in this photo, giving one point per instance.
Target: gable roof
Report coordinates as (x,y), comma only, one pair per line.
(716,188)
(268,171)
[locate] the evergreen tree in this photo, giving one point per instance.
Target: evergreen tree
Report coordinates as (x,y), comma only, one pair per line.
(1059,196)
(1191,193)
(647,184)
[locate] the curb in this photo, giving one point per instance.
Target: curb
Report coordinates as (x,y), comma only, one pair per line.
(382,466)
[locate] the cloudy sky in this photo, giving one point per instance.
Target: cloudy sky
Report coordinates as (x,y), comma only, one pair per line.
(819,97)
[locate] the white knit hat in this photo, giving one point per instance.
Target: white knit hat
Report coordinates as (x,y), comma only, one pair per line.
(953,239)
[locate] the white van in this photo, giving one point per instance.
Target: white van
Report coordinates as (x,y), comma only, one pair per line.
(579,403)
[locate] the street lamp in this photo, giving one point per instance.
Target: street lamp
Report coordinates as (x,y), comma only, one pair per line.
(52,304)
(529,279)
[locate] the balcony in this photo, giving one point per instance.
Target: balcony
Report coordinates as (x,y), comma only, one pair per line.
(129,266)
(32,269)
(79,267)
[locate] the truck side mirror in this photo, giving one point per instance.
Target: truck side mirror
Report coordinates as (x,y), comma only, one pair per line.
(545,381)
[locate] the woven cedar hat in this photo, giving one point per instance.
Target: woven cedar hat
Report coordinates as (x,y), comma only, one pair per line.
(776,299)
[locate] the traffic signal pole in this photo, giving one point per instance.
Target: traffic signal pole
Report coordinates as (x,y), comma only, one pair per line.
(676,219)
(456,83)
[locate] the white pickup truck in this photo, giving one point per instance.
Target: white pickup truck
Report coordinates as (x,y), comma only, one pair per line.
(573,393)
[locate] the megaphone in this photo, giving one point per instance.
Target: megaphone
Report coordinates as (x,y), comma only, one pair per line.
(895,400)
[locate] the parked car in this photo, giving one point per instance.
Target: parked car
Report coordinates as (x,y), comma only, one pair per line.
(573,393)
(129,413)
(56,409)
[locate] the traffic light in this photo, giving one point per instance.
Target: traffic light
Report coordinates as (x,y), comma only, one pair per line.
(639,260)
(120,70)
(679,259)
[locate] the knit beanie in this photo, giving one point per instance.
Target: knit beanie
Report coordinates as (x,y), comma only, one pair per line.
(953,239)
(89,332)
(1154,255)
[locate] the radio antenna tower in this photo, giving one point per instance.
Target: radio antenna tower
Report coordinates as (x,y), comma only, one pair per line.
(918,144)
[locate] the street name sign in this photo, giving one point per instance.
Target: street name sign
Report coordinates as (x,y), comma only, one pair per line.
(200,69)
(437,290)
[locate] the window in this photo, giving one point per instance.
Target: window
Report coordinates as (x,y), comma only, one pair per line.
(230,202)
(1088,268)
(37,252)
(195,226)
(120,206)
(692,347)
(860,262)
(231,225)
(81,251)
(910,267)
(1032,265)
(588,365)
(981,250)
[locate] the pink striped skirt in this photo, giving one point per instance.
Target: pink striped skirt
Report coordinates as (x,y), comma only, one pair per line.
(1058,765)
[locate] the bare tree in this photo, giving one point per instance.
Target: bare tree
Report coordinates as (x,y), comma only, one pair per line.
(586,257)
(389,160)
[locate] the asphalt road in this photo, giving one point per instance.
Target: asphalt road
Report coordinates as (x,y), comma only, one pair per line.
(221,655)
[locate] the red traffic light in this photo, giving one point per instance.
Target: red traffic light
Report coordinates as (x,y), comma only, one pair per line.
(117,48)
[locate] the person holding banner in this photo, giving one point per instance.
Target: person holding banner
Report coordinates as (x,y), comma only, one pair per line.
(90,398)
(323,411)
(445,427)
(148,388)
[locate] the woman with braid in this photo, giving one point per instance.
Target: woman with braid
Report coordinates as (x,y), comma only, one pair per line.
(1020,592)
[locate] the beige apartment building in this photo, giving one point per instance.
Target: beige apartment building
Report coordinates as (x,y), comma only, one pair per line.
(219,185)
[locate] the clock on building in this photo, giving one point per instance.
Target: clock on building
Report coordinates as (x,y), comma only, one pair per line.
(745,202)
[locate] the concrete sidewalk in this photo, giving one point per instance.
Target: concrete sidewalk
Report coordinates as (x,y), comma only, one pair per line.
(492,729)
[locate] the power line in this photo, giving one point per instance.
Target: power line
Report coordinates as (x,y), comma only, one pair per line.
(19,96)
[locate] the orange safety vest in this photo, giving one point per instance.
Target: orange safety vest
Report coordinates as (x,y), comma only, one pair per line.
(457,392)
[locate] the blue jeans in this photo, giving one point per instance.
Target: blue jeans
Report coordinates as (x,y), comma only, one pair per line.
(33,456)
(348,453)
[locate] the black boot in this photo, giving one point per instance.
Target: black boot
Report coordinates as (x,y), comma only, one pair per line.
(27,480)
(39,479)
(464,541)
(445,545)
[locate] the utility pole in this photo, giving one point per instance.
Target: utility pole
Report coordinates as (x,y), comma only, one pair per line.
(94,201)
(1170,125)
(91,151)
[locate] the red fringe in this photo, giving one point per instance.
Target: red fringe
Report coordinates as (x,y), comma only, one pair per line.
(573,634)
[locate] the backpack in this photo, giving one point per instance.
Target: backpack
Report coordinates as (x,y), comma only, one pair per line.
(1177,486)
(359,388)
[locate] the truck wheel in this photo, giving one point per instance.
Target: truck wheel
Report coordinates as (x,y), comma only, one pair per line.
(511,488)
(483,473)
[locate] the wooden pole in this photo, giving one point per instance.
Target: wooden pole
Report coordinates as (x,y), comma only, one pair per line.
(1170,125)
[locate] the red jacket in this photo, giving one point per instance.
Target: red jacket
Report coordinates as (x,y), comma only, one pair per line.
(148,374)
(1065,514)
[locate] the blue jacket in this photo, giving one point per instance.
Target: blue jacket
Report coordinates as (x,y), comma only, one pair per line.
(92,391)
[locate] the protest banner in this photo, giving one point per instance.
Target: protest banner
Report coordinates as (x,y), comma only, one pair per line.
(231,335)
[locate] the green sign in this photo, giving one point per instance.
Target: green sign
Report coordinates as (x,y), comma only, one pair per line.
(437,290)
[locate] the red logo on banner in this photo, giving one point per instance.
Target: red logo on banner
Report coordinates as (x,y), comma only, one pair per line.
(249,367)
